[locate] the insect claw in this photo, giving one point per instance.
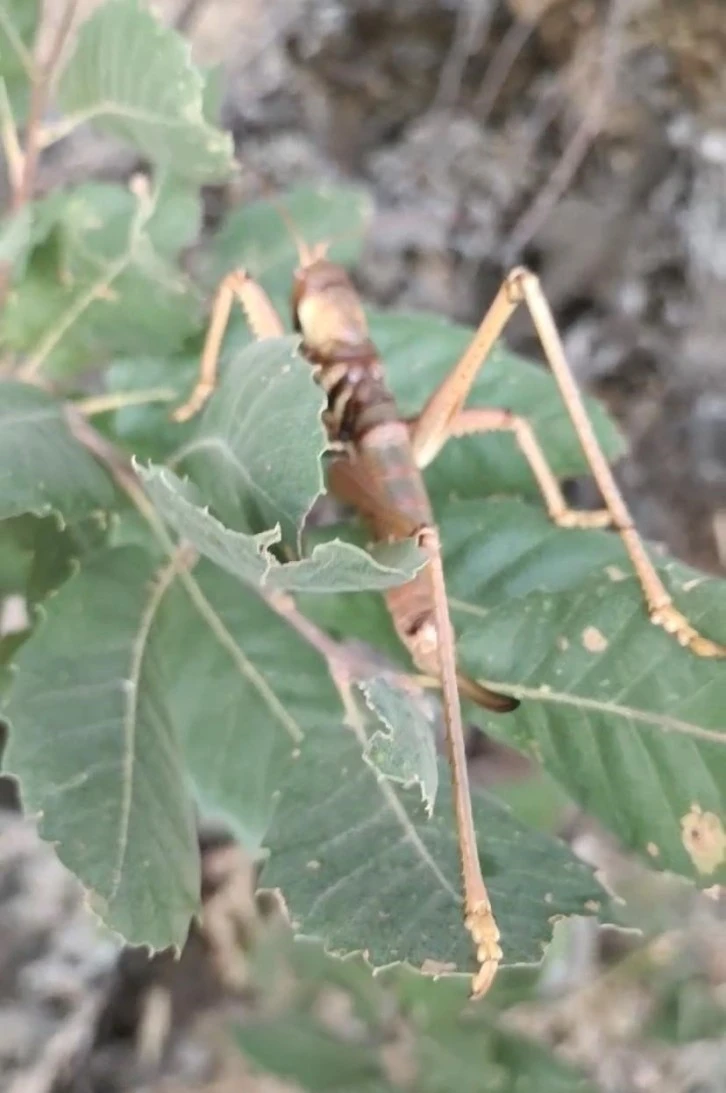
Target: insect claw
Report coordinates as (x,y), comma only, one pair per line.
(573,518)
(673,622)
(193,405)
(482,926)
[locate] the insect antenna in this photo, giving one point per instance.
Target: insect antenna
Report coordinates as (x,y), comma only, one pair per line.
(306,254)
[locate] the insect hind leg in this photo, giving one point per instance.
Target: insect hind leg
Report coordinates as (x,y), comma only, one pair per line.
(443,416)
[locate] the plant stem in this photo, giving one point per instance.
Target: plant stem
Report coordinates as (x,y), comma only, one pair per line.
(23,164)
(39,100)
(146,204)
(14,157)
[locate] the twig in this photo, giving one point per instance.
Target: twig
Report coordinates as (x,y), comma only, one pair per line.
(97,290)
(473,22)
(345,665)
(119,467)
(38,101)
(58,130)
(23,164)
(190,11)
(284,606)
(100,287)
(501,65)
(534,217)
(10,141)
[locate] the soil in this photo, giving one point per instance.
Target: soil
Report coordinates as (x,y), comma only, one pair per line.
(585,138)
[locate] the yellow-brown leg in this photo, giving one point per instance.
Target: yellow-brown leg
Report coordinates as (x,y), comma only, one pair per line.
(352,484)
(263,320)
(472,421)
(442,417)
(478,915)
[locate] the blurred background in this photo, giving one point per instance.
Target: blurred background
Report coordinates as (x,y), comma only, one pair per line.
(587,139)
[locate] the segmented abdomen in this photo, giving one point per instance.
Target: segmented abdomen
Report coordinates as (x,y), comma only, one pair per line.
(388,489)
(386,453)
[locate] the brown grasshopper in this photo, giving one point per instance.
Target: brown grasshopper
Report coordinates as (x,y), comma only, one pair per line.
(379,473)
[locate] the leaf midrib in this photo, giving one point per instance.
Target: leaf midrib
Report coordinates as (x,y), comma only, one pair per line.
(614,709)
(133,113)
(130,717)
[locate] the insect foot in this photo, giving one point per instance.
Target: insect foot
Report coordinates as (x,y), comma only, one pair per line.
(673,622)
(197,400)
(572,518)
(482,926)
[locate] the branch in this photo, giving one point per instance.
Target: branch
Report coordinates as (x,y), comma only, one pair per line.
(533,218)
(23,163)
(14,157)
(41,85)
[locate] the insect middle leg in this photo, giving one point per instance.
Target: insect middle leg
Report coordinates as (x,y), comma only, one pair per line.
(264,322)
(444,416)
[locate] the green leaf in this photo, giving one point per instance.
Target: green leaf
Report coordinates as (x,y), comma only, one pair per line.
(16,236)
(146,428)
(329,1026)
(634,733)
(402,902)
(176,221)
(536,799)
(244,690)
(419,350)
(230,681)
(38,554)
(26,229)
(404,748)
(133,77)
(332,567)
(627,721)
(338,566)
(501,549)
(256,238)
(16,554)
(255,454)
(106,282)
(43,468)
(94,748)
(18,22)
(214,77)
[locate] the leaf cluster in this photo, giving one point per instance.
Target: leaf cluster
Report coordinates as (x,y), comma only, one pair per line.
(165,669)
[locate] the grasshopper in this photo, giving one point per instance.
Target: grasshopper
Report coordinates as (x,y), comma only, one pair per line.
(376,466)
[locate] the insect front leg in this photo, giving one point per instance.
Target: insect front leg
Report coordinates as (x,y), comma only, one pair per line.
(263,320)
(444,416)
